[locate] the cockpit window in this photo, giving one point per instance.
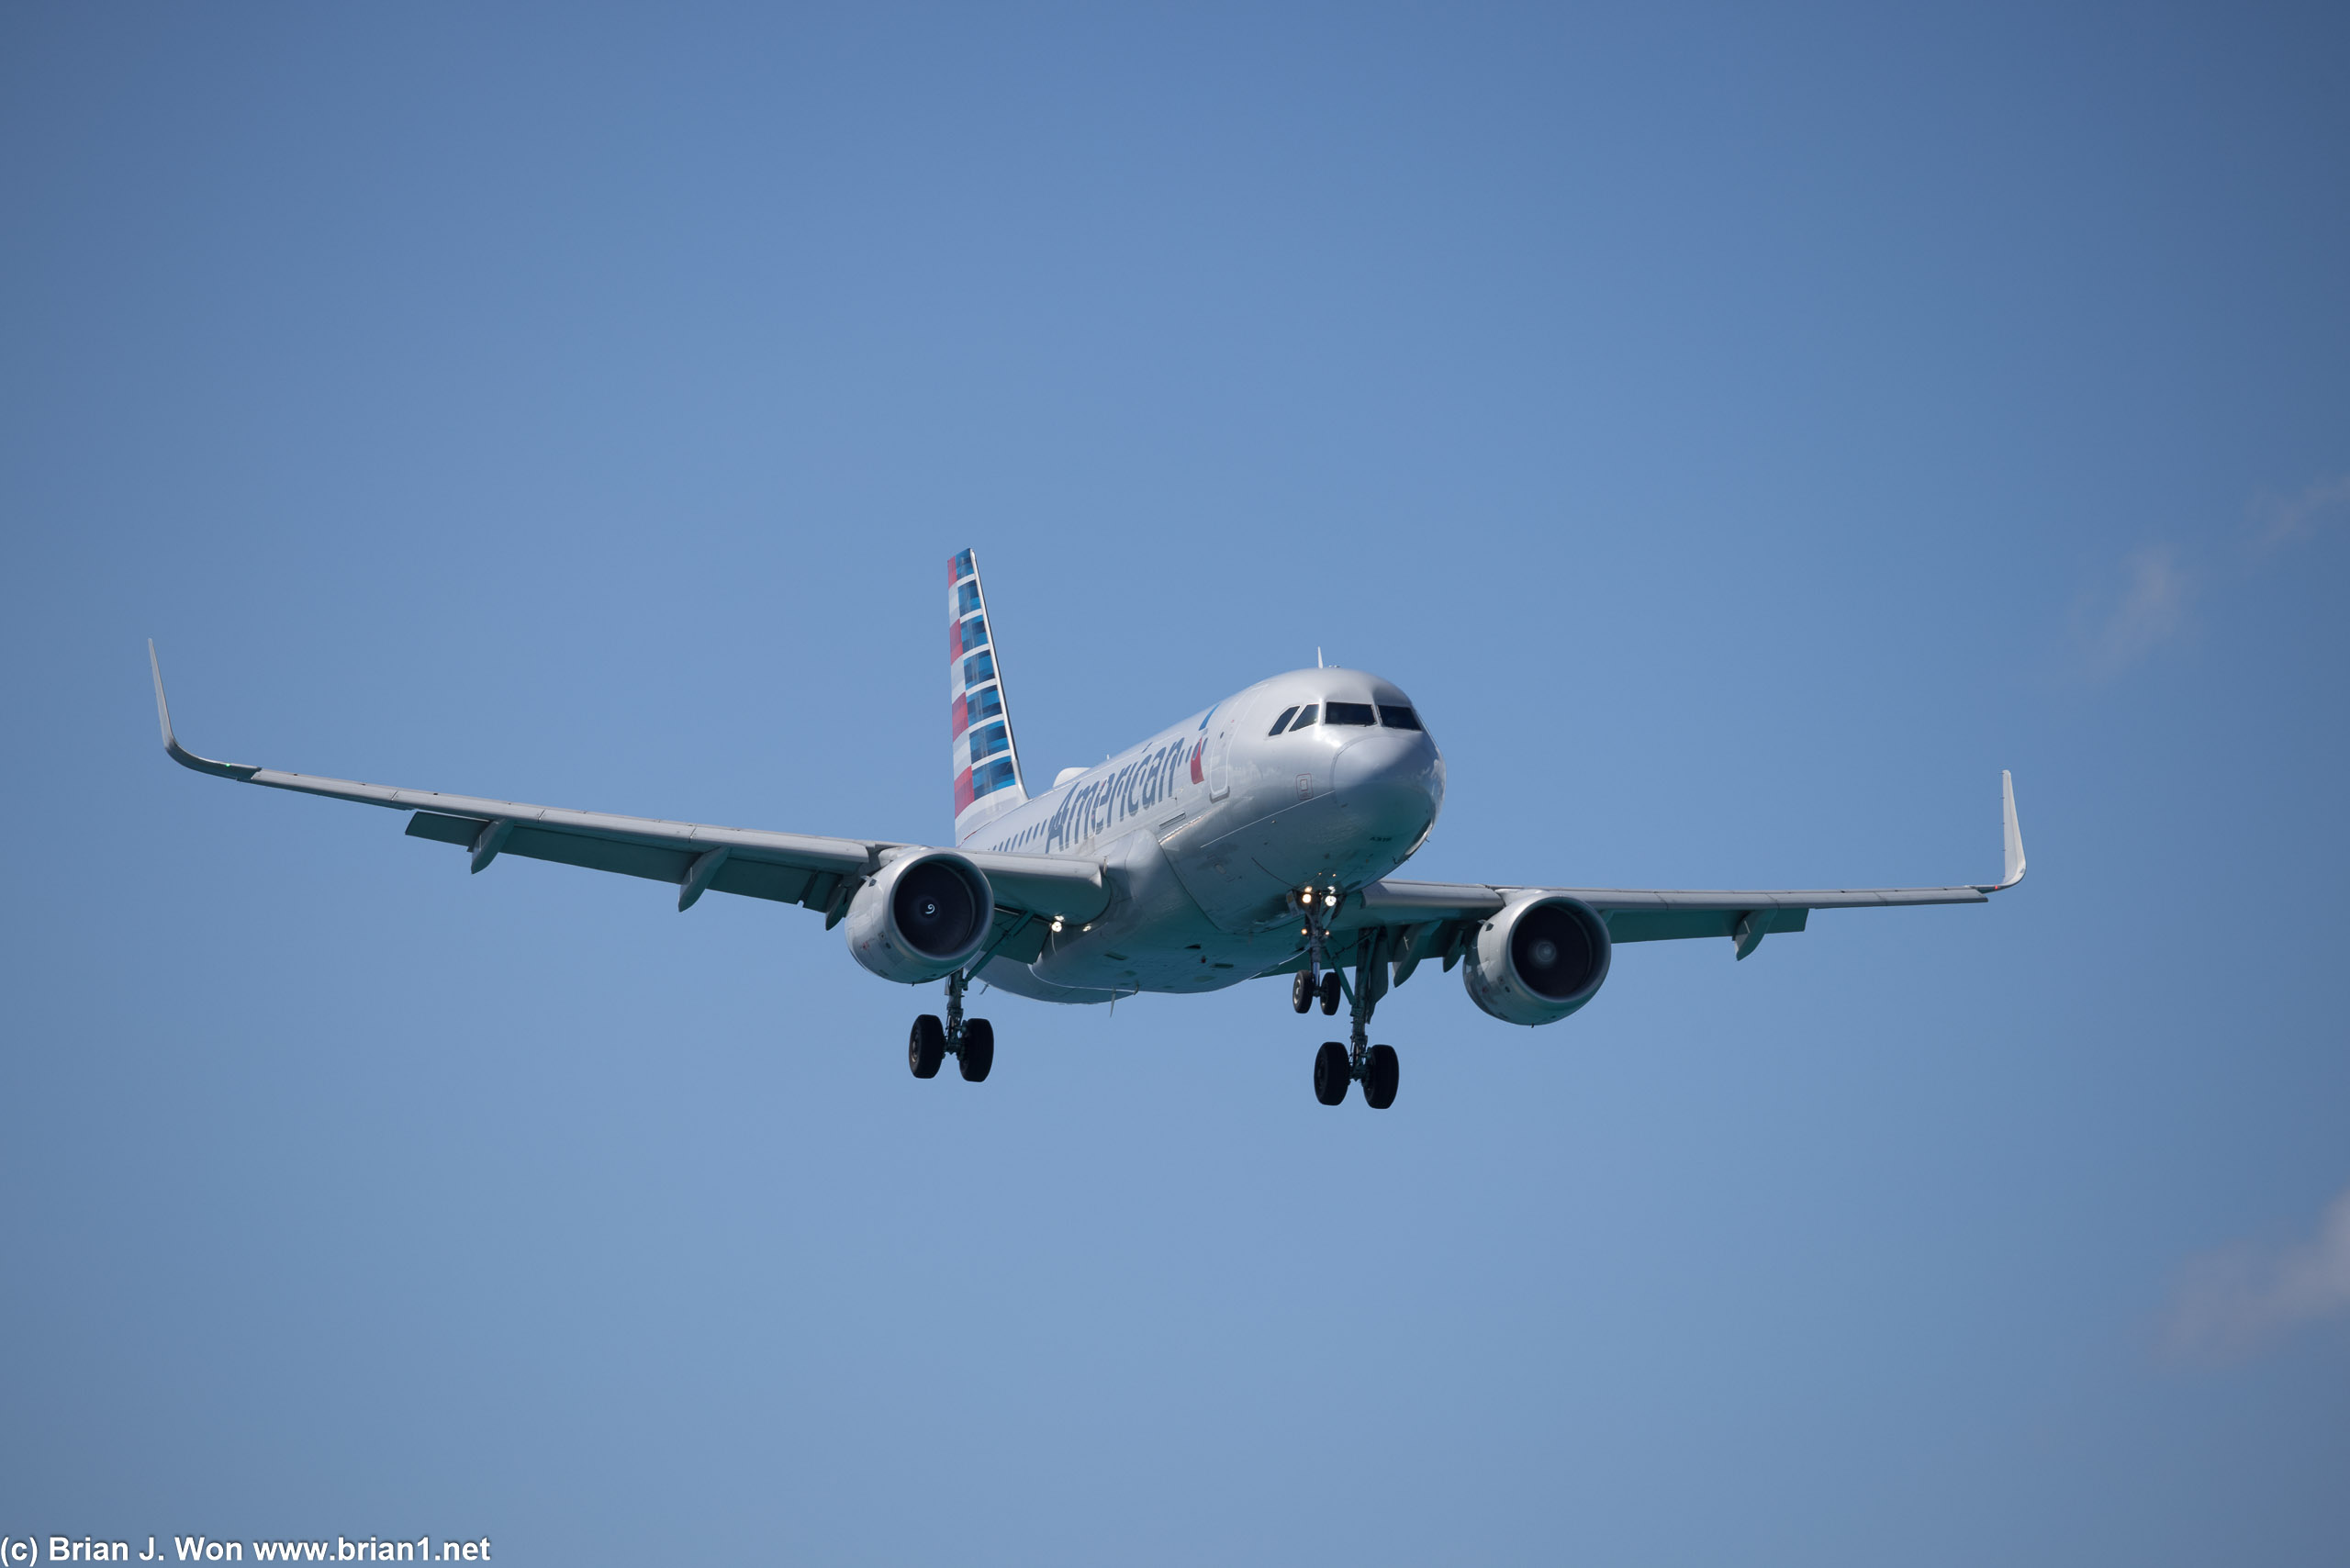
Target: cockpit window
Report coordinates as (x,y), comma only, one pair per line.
(1282,723)
(1398,718)
(1348,713)
(1305,717)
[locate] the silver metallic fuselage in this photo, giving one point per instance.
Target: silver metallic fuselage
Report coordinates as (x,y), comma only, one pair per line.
(1207,828)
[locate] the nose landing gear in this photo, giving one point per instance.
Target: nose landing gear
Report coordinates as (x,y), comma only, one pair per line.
(1318,979)
(1305,989)
(971,1042)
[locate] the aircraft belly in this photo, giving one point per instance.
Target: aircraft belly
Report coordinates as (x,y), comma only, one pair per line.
(1150,961)
(1154,937)
(1225,877)
(1242,878)
(1020,980)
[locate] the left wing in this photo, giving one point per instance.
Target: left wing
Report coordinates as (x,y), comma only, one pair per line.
(817,873)
(1406,922)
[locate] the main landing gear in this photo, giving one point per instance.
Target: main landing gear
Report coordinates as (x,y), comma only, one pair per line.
(1336,1066)
(971,1042)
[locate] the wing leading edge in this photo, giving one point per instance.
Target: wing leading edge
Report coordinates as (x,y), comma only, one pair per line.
(816,872)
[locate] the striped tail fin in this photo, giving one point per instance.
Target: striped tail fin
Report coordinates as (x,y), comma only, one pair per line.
(986,762)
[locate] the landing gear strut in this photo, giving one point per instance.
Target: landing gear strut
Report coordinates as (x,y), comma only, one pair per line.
(1336,1066)
(971,1042)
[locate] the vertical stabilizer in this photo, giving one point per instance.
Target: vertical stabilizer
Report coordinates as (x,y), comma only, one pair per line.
(985,759)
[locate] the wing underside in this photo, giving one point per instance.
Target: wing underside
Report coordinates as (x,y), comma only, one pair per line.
(1406,922)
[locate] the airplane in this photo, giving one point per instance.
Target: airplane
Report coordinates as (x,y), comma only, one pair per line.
(1254,839)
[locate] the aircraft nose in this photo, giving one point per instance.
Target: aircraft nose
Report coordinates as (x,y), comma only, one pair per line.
(1393,777)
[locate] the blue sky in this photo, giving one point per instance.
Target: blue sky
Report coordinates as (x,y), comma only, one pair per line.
(1743,435)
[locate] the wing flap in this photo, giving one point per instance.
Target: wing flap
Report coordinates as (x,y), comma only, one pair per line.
(444,829)
(1675,924)
(761,880)
(650,862)
(745,877)
(1608,901)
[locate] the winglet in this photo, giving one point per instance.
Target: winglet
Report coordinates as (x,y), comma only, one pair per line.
(179,753)
(2011,836)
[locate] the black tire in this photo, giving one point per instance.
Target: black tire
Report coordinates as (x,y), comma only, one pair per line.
(1330,994)
(1301,991)
(1379,1075)
(926,1047)
(1330,1073)
(979,1050)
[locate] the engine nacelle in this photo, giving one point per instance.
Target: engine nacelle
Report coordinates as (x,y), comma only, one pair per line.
(923,917)
(1537,960)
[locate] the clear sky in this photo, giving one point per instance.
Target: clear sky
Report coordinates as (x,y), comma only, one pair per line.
(1743,434)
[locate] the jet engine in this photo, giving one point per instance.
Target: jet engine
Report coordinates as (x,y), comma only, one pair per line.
(1537,960)
(922,918)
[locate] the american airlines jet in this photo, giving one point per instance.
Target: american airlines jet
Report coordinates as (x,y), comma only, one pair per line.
(1252,840)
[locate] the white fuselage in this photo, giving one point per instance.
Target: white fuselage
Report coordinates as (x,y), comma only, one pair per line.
(1209,827)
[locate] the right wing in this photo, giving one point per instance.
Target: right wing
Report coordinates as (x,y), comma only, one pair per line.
(817,873)
(1419,920)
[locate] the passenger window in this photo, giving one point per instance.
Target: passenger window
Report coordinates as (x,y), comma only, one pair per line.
(1282,723)
(1305,717)
(1398,718)
(1348,713)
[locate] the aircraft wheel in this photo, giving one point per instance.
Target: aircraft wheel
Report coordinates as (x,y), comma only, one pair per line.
(1330,1073)
(1379,1075)
(1330,994)
(979,1049)
(1301,991)
(926,1047)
